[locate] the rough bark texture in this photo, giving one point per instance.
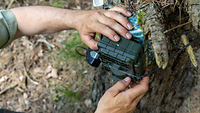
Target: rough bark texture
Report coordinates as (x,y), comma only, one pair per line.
(169,87)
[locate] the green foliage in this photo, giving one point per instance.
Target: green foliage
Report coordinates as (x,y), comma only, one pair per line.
(70,95)
(61,92)
(66,57)
(55,95)
(66,98)
(140,17)
(68,52)
(58,4)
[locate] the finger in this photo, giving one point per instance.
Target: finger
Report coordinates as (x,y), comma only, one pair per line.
(104,30)
(115,26)
(145,81)
(119,18)
(133,84)
(119,86)
(122,10)
(89,40)
(146,71)
(139,89)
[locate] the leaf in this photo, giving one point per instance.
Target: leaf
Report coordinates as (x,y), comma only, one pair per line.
(53,73)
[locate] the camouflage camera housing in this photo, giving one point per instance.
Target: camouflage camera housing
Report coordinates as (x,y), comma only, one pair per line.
(123,58)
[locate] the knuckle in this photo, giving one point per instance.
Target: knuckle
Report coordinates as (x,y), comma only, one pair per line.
(124,9)
(131,97)
(123,30)
(126,105)
(102,27)
(109,92)
(90,22)
(93,47)
(121,83)
(97,13)
(112,22)
(114,14)
(145,88)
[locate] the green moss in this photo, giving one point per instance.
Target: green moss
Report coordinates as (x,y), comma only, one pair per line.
(140,17)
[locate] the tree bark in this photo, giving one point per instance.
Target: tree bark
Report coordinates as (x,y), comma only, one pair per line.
(170,86)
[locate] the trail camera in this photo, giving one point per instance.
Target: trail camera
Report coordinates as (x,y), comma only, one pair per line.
(123,58)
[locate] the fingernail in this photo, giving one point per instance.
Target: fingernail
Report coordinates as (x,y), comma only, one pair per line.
(116,37)
(128,35)
(127,79)
(130,26)
(129,13)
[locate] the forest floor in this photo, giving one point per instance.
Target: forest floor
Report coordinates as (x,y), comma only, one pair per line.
(43,73)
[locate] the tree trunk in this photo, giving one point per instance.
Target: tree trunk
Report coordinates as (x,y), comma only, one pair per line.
(170,86)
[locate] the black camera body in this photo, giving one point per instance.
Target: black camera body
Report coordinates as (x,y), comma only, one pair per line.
(122,58)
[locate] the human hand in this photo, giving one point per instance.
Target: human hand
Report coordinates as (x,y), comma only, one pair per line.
(120,99)
(106,22)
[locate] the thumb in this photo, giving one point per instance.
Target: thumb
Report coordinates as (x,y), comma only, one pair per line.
(89,41)
(120,86)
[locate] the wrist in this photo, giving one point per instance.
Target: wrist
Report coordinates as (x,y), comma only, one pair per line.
(74,19)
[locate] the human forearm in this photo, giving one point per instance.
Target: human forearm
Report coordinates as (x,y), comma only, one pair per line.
(43,19)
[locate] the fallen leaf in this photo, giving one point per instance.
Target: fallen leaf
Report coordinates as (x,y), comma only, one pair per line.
(27,104)
(3,78)
(53,74)
(40,54)
(8,102)
(85,72)
(25,96)
(88,103)
(48,70)
(21,78)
